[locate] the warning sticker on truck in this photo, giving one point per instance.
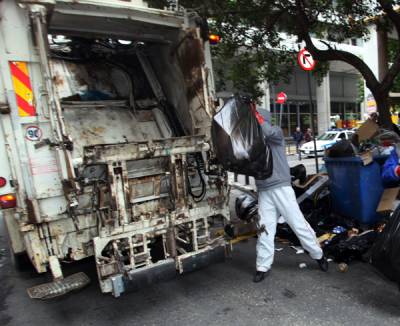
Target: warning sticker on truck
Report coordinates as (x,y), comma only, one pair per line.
(43,165)
(22,88)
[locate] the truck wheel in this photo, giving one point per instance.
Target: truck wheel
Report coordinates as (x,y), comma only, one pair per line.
(21,262)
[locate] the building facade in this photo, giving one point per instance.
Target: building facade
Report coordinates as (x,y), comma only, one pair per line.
(340,100)
(336,101)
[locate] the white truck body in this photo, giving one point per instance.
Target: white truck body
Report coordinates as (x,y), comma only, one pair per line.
(105,115)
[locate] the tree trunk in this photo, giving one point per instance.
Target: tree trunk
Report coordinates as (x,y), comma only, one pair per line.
(385,117)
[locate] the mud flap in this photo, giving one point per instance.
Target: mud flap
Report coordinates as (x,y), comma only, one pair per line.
(201,260)
(59,287)
(143,277)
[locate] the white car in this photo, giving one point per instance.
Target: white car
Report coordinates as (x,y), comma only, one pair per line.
(325,141)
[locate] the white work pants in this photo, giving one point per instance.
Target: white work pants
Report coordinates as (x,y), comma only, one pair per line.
(272,204)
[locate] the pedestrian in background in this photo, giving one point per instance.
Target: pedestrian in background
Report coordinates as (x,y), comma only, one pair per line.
(307,135)
(298,138)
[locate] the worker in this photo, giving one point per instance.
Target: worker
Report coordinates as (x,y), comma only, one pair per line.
(308,135)
(276,198)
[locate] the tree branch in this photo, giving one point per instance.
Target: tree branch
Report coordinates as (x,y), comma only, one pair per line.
(274,20)
(392,73)
(391,14)
(332,54)
(394,70)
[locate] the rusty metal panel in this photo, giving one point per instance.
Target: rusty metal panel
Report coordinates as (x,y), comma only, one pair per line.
(142,150)
(107,125)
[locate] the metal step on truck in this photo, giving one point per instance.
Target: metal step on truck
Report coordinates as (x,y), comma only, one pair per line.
(105,149)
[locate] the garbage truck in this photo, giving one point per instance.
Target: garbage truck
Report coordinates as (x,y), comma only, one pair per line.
(105,146)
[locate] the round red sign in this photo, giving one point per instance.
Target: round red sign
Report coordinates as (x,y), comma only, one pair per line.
(281,98)
(306,60)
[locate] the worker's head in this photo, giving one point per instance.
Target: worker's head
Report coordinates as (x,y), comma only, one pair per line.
(298,129)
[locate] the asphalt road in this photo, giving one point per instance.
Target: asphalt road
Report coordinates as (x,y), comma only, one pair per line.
(222,294)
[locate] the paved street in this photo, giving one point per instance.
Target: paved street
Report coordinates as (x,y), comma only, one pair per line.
(222,294)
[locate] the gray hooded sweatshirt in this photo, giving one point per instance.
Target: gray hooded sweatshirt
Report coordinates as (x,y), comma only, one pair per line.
(281,172)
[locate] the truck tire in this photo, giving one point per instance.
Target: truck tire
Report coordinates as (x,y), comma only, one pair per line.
(21,262)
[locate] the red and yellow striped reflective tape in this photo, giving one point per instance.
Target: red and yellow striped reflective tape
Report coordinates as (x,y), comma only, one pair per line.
(22,88)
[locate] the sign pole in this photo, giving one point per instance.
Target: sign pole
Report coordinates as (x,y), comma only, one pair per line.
(312,120)
(281,99)
(274,103)
(307,63)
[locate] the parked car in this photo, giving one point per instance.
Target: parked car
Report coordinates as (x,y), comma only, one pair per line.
(325,141)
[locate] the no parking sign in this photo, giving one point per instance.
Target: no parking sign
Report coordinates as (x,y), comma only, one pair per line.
(306,60)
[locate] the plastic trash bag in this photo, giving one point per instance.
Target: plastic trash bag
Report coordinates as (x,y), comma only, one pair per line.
(344,148)
(385,254)
(343,248)
(299,172)
(239,142)
(246,207)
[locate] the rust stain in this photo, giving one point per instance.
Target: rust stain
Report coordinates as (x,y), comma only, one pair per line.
(191,60)
(95,131)
(57,79)
(32,218)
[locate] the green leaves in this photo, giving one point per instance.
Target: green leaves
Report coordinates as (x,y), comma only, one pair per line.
(255,35)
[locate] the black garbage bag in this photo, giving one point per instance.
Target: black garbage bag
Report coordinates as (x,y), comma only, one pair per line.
(385,254)
(345,249)
(299,172)
(246,207)
(238,140)
(344,148)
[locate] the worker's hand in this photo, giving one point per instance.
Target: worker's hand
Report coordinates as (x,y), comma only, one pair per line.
(258,116)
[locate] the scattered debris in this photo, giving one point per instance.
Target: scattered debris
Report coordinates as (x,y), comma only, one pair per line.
(388,200)
(345,248)
(338,229)
(368,130)
(343,267)
(302,265)
(299,250)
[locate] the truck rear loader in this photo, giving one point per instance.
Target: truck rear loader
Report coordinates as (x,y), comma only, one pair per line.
(105,149)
